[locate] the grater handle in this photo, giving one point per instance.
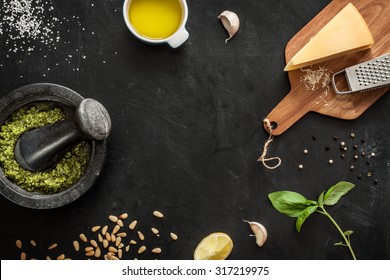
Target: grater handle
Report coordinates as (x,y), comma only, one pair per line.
(335,86)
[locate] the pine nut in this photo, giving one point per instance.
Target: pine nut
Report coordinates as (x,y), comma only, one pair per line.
(113,237)
(120,253)
(113,218)
(118,241)
(122,234)
(156,250)
(76,245)
(95,228)
(108,237)
(100,238)
(173,236)
(90,253)
(33,243)
(54,245)
(141,249)
(83,237)
(133,224)
(116,229)
(133,242)
(120,223)
(104,230)
(120,246)
(23,256)
(158,214)
(93,243)
(48,258)
(61,257)
(123,216)
(88,249)
(140,235)
(154,230)
(19,244)
(127,248)
(112,249)
(105,243)
(98,252)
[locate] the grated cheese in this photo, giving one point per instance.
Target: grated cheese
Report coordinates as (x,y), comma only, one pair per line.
(312,78)
(315,79)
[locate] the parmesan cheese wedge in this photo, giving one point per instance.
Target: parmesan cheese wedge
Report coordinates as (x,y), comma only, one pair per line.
(346,33)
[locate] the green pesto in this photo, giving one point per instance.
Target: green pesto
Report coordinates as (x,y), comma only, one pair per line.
(61,176)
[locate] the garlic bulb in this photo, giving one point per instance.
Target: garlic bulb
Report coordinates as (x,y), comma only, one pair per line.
(231,22)
(259,232)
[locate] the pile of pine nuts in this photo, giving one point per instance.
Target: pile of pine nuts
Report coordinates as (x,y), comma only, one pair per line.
(111,241)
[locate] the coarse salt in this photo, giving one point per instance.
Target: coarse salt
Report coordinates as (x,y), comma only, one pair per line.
(26,23)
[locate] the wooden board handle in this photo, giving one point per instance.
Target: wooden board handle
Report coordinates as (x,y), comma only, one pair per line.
(286,113)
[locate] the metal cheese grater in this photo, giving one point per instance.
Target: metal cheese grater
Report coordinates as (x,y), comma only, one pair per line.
(366,76)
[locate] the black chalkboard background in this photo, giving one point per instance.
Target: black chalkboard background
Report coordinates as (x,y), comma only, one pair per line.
(187,131)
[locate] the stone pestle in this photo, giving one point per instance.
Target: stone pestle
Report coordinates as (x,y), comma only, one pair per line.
(41,148)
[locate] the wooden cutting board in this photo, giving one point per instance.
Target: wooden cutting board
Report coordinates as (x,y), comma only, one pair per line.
(300,101)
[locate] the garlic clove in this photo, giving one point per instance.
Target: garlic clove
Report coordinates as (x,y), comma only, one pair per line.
(231,22)
(259,231)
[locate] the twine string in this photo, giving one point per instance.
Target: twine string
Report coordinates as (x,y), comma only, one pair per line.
(263,159)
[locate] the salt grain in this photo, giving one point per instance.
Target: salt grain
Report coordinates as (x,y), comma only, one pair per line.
(28,23)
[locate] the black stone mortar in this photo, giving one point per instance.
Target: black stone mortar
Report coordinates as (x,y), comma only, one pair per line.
(45,92)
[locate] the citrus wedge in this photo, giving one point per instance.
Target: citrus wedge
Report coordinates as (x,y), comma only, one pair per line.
(215,246)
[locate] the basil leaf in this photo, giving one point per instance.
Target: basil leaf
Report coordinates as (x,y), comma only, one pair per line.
(348,232)
(289,203)
(304,215)
(340,244)
(310,202)
(321,199)
(333,194)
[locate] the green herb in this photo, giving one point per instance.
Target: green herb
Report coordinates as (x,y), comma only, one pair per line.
(297,206)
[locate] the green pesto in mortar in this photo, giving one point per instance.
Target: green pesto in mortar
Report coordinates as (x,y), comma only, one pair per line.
(61,176)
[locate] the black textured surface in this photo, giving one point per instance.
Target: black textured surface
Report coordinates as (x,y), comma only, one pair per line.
(187,131)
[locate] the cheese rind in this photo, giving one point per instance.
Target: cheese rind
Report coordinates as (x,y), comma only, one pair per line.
(346,33)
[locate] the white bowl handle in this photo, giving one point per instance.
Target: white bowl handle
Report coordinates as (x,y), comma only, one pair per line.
(179,38)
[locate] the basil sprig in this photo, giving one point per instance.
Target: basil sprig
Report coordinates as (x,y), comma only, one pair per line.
(297,206)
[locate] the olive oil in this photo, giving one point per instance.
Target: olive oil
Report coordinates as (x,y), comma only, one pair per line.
(155,19)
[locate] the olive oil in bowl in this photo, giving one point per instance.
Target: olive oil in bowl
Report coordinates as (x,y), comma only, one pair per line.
(155,19)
